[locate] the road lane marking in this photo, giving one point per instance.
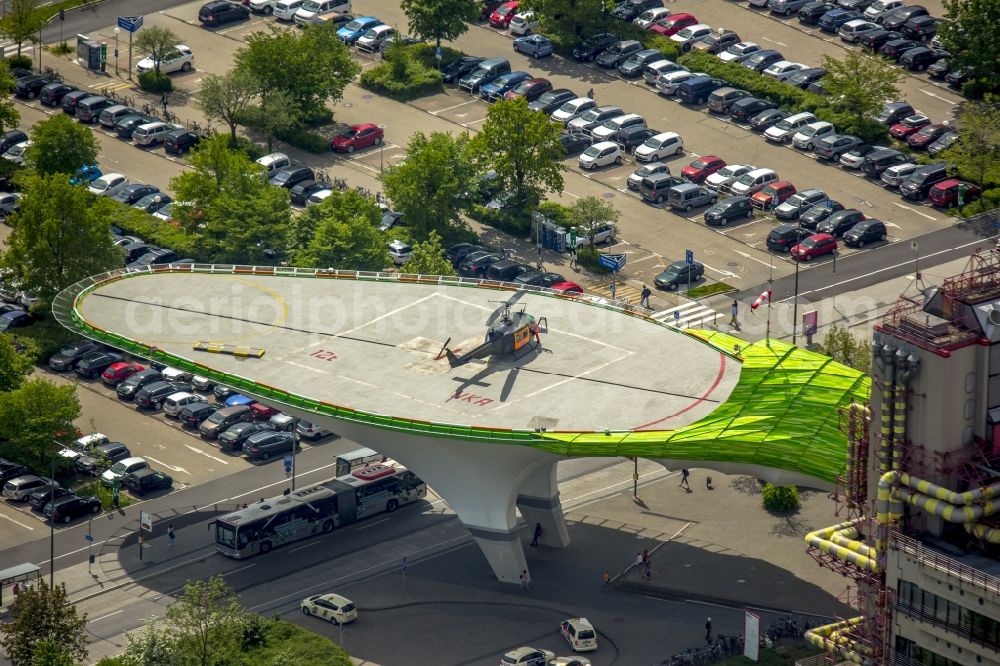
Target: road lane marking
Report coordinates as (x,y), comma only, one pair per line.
(931,94)
(240,569)
(16,522)
(749,256)
(366,526)
(720,272)
(170,467)
(311,543)
(104,617)
(207,455)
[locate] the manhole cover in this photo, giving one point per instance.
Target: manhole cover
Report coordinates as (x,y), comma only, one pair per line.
(608,195)
(347,104)
(732,263)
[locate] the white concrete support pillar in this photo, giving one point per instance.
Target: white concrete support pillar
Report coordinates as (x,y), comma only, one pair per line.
(538,502)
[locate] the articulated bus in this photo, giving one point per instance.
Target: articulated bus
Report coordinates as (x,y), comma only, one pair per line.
(316,509)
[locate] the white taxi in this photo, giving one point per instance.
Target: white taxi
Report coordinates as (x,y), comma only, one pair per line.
(527,656)
(569,661)
(332,607)
(579,633)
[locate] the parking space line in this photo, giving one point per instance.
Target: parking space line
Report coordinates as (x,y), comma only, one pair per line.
(457,106)
(207,455)
(913,210)
(170,467)
(17,522)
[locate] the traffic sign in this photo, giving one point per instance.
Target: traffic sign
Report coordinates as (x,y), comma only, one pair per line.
(438,53)
(613,262)
(404,563)
(688,257)
(88,537)
(145,521)
(677,316)
(288,464)
(129,23)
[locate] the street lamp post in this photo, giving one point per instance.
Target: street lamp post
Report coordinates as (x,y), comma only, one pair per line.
(381,151)
(164,101)
(117,30)
(795,299)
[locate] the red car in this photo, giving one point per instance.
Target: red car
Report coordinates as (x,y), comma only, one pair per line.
(909,125)
(259,412)
(927,135)
(119,372)
(945,193)
(772,195)
(357,136)
(571,288)
(531,89)
(814,246)
(673,24)
(702,168)
(501,16)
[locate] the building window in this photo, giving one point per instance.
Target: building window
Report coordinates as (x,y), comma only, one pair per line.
(908,648)
(978,627)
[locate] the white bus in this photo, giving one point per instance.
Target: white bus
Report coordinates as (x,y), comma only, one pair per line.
(316,509)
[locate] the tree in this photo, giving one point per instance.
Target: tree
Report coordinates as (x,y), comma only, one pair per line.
(842,346)
(342,232)
(311,66)
(523,147)
(60,236)
(430,186)
(228,202)
(439,19)
(158,43)
(51,653)
(58,145)
(428,258)
(226,98)
(976,153)
(859,85)
(570,21)
(43,616)
(22,22)
(9,117)
(14,367)
(275,113)
(969,34)
(31,415)
(589,214)
(206,621)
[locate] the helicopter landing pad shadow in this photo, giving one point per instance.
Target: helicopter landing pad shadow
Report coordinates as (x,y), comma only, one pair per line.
(495,365)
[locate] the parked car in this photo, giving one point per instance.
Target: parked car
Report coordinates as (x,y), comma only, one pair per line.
(552,100)
(803,78)
(593,46)
(126,127)
(786,7)
(728,174)
(118,372)
(837,224)
(811,12)
(192,415)
(502,15)
(718,41)
(40,498)
(616,54)
(920,58)
(927,135)
(673,24)
(68,507)
(783,68)
(458,68)
(722,99)
(687,37)
(152,202)
(358,136)
(133,192)
(265,445)
(534,45)
(852,31)
(375,38)
(96,362)
(806,137)
(290,176)
(880,8)
(180,141)
(752,182)
(352,32)
(762,120)
(895,48)
(798,203)
(635,64)
(864,232)
(832,146)
(739,52)
(153,394)
(784,237)
(121,468)
(659,146)
(51,94)
(835,18)
(608,130)
(234,436)
(219,13)
(784,130)
(814,246)
(876,39)
(944,142)
(127,389)
(572,109)
(811,218)
(772,194)
(630,9)
(919,183)
(727,210)
(20,487)
(497,88)
(761,60)
(855,157)
(702,168)
(178,59)
(67,357)
(635,178)
(679,273)
(945,193)
(651,16)
(524,23)
(909,125)
(101,456)
(878,161)
(601,154)
(29,87)
(895,19)
(147,480)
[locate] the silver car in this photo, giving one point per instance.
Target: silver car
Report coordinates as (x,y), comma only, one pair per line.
(895,175)
(786,7)
(19,488)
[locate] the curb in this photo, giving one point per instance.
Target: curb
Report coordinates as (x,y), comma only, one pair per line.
(686,595)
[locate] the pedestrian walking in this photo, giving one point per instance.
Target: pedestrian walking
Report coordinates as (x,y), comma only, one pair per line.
(525,580)
(734,319)
(17,589)
(170,535)
(613,291)
(605,579)
(645,555)
(538,533)
(638,559)
(590,93)
(644,297)
(684,479)
(708,630)
(648,571)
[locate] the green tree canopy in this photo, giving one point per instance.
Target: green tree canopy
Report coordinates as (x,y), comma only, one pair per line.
(859,84)
(523,147)
(157,42)
(311,66)
(976,154)
(570,21)
(842,346)
(42,616)
(229,204)
(970,35)
(9,117)
(59,145)
(14,367)
(430,187)
(589,214)
(206,622)
(32,415)
(60,236)
(21,22)
(428,258)
(439,19)
(226,98)
(342,232)
(273,114)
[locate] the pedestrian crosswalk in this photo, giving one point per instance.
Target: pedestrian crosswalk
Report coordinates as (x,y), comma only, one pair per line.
(10,48)
(624,292)
(690,314)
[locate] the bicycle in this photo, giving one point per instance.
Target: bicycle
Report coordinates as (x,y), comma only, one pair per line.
(53,74)
(340,184)
(321,176)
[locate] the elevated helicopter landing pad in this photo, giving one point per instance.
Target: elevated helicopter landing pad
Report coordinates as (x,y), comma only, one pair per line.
(374,346)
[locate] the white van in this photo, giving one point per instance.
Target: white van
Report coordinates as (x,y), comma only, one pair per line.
(752,182)
(175,402)
(784,130)
(285,9)
(312,8)
(273,162)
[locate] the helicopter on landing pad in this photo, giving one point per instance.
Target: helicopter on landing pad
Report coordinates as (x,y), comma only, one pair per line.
(507,333)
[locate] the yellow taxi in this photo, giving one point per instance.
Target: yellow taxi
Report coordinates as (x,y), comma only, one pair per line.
(332,607)
(579,633)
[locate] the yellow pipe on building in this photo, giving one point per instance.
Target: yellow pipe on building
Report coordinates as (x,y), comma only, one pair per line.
(839,541)
(833,638)
(984,532)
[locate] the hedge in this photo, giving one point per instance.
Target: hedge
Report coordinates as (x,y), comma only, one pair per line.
(407,72)
(306,139)
(150,82)
(155,231)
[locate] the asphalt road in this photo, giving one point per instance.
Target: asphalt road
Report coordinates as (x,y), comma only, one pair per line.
(95,15)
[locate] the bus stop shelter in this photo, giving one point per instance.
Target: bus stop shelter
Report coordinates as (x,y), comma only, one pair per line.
(17,574)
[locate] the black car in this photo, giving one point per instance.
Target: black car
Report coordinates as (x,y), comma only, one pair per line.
(876,39)
(631,138)
(133,192)
(456,69)
(154,257)
(943,143)
(135,250)
(64,509)
(786,236)
(761,60)
(302,190)
(630,9)
(146,480)
(127,125)
(94,363)
(895,19)
(67,357)
(679,273)
(539,278)
(574,142)
(11,470)
(591,47)
(897,47)
(475,264)
(193,414)
(457,253)
(264,445)
(636,63)
(865,231)
(131,385)
(108,454)
(767,118)
(838,223)
(893,112)
(805,77)
(70,99)
(958,76)
(235,435)
(289,176)
(153,395)
(618,53)
(810,13)
(744,109)
(30,86)
(221,392)
(180,141)
(11,138)
(879,160)
(552,100)
(40,498)
(921,58)
(52,93)
(921,28)
(153,202)
(696,90)
(218,13)
(939,69)
(813,216)
(729,209)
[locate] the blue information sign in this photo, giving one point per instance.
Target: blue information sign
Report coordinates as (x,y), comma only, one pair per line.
(129,23)
(438,53)
(613,262)
(288,464)
(688,257)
